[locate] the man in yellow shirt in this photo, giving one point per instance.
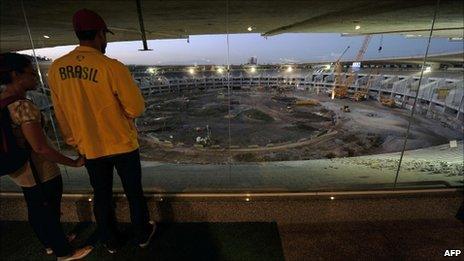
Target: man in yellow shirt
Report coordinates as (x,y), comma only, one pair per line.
(96,101)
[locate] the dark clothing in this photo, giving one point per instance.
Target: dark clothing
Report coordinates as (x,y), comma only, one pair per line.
(44,213)
(101,177)
(460,214)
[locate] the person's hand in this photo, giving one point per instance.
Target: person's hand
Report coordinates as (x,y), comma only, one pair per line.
(79,162)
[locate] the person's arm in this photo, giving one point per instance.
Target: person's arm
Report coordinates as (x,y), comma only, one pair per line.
(59,114)
(35,137)
(62,122)
(126,91)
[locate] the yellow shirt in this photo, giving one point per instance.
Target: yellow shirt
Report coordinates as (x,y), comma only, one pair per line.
(95,101)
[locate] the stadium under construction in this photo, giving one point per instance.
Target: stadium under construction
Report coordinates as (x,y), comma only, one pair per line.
(313,153)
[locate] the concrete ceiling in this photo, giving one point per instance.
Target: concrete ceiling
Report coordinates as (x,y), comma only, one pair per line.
(452,58)
(178,19)
(457,58)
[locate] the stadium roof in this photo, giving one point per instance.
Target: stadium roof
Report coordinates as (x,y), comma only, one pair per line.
(456,57)
(178,19)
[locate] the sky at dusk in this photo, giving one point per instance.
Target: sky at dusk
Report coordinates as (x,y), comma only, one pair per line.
(284,48)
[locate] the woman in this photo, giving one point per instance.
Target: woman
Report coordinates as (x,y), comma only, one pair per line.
(43,200)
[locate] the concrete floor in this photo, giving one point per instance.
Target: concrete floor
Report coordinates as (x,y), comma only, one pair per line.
(388,240)
(394,240)
(399,225)
(366,172)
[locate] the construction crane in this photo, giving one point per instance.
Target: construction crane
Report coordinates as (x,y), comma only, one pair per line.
(338,72)
(340,87)
(338,90)
(362,92)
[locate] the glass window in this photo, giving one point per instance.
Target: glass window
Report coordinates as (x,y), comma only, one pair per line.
(262,104)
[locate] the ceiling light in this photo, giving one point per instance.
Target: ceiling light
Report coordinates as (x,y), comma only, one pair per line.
(357,27)
(46,36)
(250,28)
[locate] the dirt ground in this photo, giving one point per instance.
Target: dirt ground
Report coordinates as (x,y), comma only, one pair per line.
(266,125)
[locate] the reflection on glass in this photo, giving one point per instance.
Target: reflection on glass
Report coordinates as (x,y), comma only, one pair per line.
(434,148)
(268,107)
(300,136)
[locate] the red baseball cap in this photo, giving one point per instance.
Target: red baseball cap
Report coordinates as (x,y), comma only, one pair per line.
(86,20)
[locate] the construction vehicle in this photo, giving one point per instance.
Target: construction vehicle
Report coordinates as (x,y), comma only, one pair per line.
(362,93)
(345,108)
(340,88)
(389,102)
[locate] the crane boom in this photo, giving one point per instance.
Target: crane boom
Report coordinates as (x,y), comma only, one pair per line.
(363,48)
(340,89)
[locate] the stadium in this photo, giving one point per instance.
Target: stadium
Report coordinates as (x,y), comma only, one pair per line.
(294,100)
(272,130)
